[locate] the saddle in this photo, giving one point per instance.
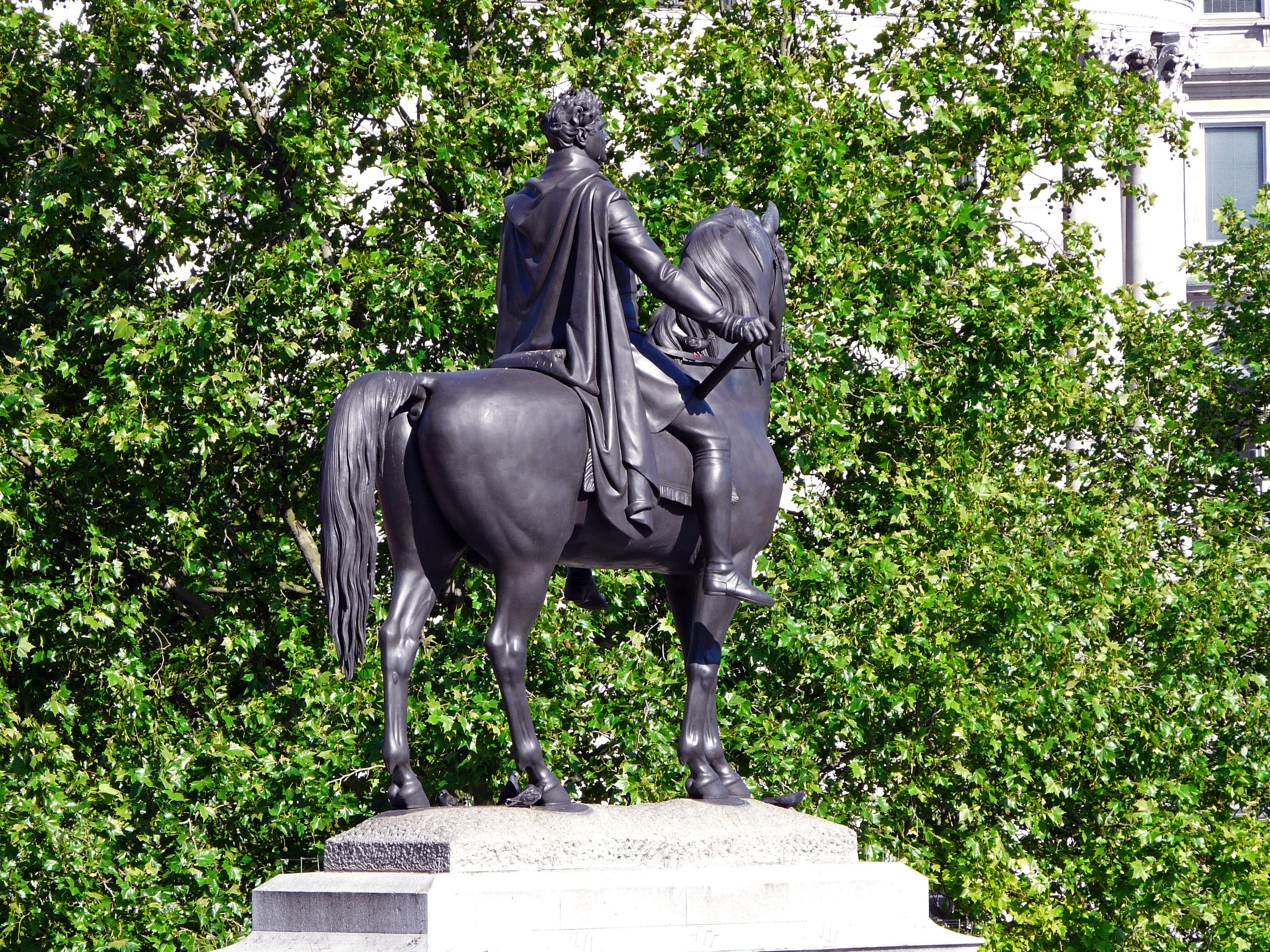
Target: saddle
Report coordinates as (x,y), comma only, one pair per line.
(674,460)
(674,470)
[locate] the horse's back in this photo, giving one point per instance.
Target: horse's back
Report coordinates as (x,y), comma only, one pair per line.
(504,453)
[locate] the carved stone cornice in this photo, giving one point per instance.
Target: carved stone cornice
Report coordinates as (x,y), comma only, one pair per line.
(1229,82)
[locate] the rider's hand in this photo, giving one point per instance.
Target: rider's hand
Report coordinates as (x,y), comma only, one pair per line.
(755,330)
(751,330)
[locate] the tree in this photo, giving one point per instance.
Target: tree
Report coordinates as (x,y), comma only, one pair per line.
(1020,641)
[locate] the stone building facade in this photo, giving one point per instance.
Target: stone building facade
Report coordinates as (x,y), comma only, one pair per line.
(1213,58)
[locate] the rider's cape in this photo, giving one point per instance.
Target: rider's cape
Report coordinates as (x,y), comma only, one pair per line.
(559,312)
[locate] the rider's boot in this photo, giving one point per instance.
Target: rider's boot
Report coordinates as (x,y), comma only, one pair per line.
(580,588)
(712,498)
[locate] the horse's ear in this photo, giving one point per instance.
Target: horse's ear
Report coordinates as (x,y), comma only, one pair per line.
(771,219)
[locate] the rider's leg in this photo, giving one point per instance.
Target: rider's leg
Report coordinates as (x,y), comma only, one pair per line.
(705,437)
(580,588)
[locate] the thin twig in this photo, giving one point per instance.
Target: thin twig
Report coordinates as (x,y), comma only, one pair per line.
(360,773)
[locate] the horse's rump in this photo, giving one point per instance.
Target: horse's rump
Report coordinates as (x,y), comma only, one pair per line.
(503,452)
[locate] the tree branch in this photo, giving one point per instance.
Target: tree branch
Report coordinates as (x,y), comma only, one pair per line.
(195,603)
(308,548)
(236,71)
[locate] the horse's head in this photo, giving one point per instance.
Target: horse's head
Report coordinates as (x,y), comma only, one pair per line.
(738,258)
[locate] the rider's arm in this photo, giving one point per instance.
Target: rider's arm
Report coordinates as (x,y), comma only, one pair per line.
(628,290)
(629,242)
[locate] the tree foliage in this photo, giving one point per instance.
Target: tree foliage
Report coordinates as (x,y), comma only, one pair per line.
(1020,640)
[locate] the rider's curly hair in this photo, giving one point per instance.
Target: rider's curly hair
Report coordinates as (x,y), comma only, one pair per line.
(572,118)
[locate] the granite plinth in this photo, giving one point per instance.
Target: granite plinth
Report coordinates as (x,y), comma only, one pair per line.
(648,835)
(849,906)
(679,877)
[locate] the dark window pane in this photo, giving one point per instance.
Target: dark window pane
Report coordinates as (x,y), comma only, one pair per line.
(1233,166)
(1232,6)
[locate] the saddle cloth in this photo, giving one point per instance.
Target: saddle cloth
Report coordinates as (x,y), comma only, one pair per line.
(674,470)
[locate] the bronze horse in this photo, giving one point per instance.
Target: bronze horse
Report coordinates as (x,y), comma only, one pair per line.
(490,464)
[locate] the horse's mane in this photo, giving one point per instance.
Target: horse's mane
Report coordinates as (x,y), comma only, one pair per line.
(732,279)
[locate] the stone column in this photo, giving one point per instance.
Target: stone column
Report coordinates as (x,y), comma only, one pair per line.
(1154,236)
(1104,210)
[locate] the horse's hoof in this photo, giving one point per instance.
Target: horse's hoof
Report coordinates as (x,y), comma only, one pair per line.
(732,780)
(549,791)
(554,794)
(555,798)
(706,787)
(408,796)
(731,584)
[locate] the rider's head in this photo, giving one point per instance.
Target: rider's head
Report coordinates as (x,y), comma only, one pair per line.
(576,118)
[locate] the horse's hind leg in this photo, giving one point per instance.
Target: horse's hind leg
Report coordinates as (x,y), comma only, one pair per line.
(505,454)
(701,621)
(424,549)
(521,590)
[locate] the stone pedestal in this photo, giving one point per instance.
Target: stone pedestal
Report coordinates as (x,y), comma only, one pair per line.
(672,877)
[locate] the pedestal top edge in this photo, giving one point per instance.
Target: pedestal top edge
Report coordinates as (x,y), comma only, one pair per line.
(677,817)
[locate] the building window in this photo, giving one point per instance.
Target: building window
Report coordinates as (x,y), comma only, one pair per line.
(1232,6)
(1234,168)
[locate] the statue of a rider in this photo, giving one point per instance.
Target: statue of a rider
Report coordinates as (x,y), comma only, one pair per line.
(573,253)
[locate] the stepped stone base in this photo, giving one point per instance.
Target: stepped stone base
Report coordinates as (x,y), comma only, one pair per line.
(673,877)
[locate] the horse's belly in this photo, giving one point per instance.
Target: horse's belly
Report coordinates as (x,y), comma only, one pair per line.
(669,549)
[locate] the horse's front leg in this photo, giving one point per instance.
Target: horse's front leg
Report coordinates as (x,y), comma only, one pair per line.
(521,591)
(701,621)
(713,743)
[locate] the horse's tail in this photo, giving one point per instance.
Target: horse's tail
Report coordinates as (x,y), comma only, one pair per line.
(351,461)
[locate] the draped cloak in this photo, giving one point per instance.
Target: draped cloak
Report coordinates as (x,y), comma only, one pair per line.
(560,313)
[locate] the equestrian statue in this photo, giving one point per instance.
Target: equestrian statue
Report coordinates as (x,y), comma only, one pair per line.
(587,443)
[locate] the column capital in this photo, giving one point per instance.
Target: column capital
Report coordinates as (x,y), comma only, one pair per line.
(1167,58)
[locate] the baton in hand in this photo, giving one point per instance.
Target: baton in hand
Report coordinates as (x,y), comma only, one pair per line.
(702,390)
